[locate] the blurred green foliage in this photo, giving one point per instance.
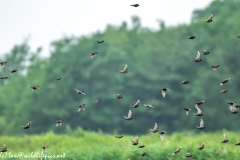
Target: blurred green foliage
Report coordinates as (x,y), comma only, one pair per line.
(156,59)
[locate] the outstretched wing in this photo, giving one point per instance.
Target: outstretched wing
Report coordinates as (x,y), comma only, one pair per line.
(224,137)
(199,111)
(163,93)
(210,18)
(155,126)
(201,123)
(198,55)
(129,114)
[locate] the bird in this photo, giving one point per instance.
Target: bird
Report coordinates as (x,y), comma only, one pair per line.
(59,122)
(185,82)
(4,63)
(202,146)
(225,139)
(225,81)
(129,117)
(198,59)
(237,144)
(27,125)
(224,91)
(164,90)
(58,78)
(188,155)
(162,134)
(155,128)
(119,136)
(4,78)
(205,52)
(135,5)
(80,92)
(209,19)
(142,146)
(177,151)
(199,103)
(118,96)
(35,87)
(134,142)
(100,41)
(199,112)
(44,148)
(215,67)
(125,69)
(81,107)
(148,105)
(13,71)
(94,54)
(233,108)
(143,154)
(191,37)
(201,125)
(95,101)
(3,149)
(187,110)
(136,104)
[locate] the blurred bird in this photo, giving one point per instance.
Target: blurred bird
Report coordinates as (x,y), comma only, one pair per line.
(237,144)
(143,154)
(118,96)
(3,64)
(185,82)
(164,90)
(135,5)
(202,146)
(81,107)
(198,59)
(134,142)
(233,108)
(199,103)
(155,128)
(136,104)
(215,67)
(201,125)
(142,146)
(95,101)
(162,134)
(225,139)
(225,81)
(94,54)
(80,92)
(44,148)
(129,117)
(188,155)
(199,112)
(187,110)
(3,149)
(209,19)
(27,125)
(125,69)
(4,78)
(13,71)
(148,105)
(35,87)
(119,136)
(59,122)
(205,52)
(57,78)
(177,151)
(224,91)
(191,37)
(100,41)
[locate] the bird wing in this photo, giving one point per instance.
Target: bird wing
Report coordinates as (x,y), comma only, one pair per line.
(211,17)
(224,137)
(129,114)
(201,123)
(155,126)
(136,141)
(163,93)
(77,90)
(125,68)
(161,136)
(198,55)
(198,110)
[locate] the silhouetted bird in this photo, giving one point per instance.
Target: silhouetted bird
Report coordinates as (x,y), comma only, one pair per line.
(129,117)
(237,144)
(57,78)
(3,149)
(162,134)
(205,52)
(125,69)
(191,37)
(188,155)
(198,59)
(136,104)
(135,5)
(27,125)
(94,54)
(35,87)
(225,81)
(148,105)
(80,92)
(155,128)
(13,71)
(59,122)
(224,91)
(118,96)
(142,146)
(202,146)
(187,110)
(201,125)
(215,67)
(164,90)
(225,139)
(134,142)
(185,82)
(81,107)
(177,151)
(100,41)
(209,19)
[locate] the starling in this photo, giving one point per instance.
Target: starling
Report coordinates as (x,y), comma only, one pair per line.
(57,78)
(215,67)
(3,64)
(94,54)
(224,91)
(233,108)
(95,101)
(148,105)
(3,149)
(185,82)
(201,125)
(134,142)
(142,146)
(59,122)
(80,92)
(125,69)
(27,125)
(177,151)
(81,107)
(209,19)
(225,139)
(202,146)
(135,5)
(44,148)
(199,103)
(199,112)
(188,155)
(129,117)
(4,78)
(13,71)
(35,87)
(198,59)
(143,154)
(100,41)
(118,96)
(187,110)
(205,52)
(225,81)
(136,104)
(119,136)
(162,134)
(155,128)
(164,90)
(191,37)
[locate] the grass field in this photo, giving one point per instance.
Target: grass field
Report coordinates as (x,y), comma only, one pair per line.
(81,145)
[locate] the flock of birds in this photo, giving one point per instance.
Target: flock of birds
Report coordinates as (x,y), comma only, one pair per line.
(232,105)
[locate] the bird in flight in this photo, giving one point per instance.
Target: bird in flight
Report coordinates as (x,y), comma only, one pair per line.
(209,19)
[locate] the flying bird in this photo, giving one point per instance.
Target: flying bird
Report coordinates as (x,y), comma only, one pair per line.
(95,101)
(44,148)
(136,104)
(185,82)
(215,67)
(202,146)
(118,96)
(59,122)
(198,59)
(35,87)
(94,54)
(13,71)
(142,146)
(129,117)
(237,144)
(187,110)
(209,19)
(119,136)
(191,37)
(205,52)
(225,81)
(57,78)
(143,154)
(177,151)
(162,134)
(225,139)
(27,125)
(80,92)
(81,107)
(125,69)
(199,112)
(201,125)
(134,142)
(135,5)
(224,91)
(164,90)
(155,128)
(188,155)
(233,108)
(3,64)
(199,103)
(100,41)
(3,149)
(4,78)
(148,105)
